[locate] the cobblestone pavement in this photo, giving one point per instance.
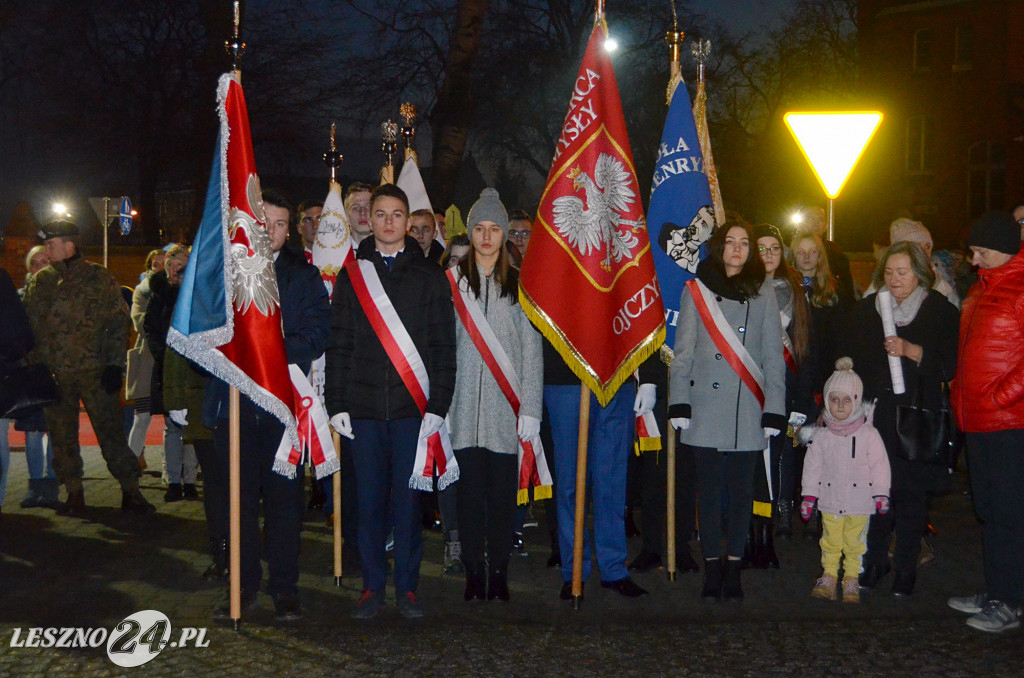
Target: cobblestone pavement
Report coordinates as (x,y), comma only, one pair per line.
(94,572)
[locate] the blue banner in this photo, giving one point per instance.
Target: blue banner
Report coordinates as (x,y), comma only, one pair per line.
(681,217)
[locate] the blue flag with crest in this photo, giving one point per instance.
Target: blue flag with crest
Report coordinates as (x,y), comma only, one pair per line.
(681,216)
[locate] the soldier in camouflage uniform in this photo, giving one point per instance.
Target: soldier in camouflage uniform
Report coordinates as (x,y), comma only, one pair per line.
(80,322)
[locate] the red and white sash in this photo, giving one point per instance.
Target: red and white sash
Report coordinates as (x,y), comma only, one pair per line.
(437,451)
(315,444)
(725,339)
(533,466)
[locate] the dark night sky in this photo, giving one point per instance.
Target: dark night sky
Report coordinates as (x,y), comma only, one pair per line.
(741,16)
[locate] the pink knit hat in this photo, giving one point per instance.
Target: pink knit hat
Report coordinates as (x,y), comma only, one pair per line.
(908,230)
(845,380)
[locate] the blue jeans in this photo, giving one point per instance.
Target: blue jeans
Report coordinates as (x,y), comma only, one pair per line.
(38,456)
(180,459)
(384,453)
(610,443)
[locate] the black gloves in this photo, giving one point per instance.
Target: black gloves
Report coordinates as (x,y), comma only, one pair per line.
(110,379)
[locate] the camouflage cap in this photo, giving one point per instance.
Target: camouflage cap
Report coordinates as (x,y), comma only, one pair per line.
(58,229)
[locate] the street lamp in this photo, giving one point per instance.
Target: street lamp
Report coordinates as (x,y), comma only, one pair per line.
(60,209)
(832,143)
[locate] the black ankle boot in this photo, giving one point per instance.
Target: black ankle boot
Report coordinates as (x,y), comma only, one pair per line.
(218,569)
(903,582)
(497,583)
(476,586)
(784,524)
(631,529)
(712,579)
(759,561)
(748,549)
(871,575)
(685,561)
(731,589)
(766,546)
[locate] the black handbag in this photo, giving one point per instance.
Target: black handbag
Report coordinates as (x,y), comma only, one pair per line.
(27,387)
(925,435)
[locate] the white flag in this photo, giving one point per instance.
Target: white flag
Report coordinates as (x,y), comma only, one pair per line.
(333,247)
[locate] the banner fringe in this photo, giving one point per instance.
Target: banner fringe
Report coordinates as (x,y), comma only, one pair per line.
(327,468)
(282,467)
(606,391)
(447,478)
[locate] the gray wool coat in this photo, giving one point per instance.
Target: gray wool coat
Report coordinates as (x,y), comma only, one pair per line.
(723,413)
(480,414)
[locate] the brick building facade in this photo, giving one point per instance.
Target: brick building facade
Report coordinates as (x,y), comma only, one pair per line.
(949,76)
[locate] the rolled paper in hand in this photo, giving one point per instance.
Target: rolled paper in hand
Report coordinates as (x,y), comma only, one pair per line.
(889,330)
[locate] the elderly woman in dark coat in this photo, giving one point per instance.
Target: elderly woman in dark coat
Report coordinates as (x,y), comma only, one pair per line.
(727,419)
(926,343)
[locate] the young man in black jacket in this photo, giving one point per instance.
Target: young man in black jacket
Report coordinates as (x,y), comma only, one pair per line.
(369,402)
(305,314)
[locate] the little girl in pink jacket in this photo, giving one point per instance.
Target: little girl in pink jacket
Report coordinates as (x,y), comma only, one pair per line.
(846,473)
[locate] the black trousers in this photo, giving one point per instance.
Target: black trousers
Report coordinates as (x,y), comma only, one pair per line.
(653,471)
(215,488)
(912,483)
(488,482)
(728,476)
(283,500)
(997,482)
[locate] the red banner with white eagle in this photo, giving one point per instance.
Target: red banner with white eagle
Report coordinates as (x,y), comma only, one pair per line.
(588,280)
(228,315)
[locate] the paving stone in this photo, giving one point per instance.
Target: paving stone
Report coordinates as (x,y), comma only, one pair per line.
(95,571)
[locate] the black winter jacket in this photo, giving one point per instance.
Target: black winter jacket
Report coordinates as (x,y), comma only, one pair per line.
(361,379)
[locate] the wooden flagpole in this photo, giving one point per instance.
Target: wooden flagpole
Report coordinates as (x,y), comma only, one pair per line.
(670,503)
(581,498)
(333,160)
(336,483)
(235,501)
(236,48)
(675,42)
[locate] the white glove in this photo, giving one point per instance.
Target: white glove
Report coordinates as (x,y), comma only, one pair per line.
(646,396)
(343,425)
(797,419)
(770,432)
(179,417)
(681,423)
(431,425)
(529,427)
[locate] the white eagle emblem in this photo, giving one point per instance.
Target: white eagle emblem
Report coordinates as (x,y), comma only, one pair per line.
(590,227)
(252,275)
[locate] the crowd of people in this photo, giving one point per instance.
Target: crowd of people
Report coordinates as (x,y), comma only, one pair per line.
(849,396)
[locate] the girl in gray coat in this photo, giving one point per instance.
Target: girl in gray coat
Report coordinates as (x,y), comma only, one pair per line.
(727,392)
(485,430)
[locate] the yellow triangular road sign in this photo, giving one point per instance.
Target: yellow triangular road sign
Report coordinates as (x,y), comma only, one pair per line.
(833,142)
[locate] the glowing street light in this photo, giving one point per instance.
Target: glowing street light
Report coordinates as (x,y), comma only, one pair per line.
(59,208)
(833,143)
(611,45)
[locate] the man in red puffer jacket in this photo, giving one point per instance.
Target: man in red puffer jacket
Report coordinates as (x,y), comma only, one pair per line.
(988,403)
